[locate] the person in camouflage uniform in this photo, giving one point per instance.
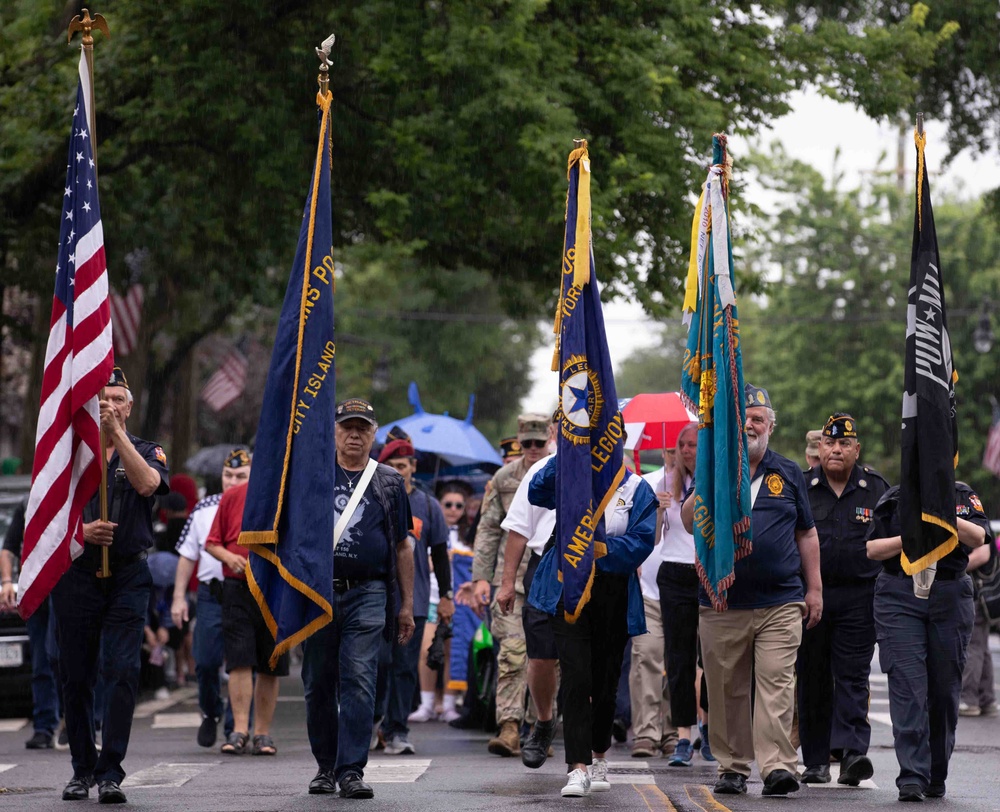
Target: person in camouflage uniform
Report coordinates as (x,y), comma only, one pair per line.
(487,571)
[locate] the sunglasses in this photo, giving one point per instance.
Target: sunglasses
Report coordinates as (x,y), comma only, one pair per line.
(453,505)
(533,443)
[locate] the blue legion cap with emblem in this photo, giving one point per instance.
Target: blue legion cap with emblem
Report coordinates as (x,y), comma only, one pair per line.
(396,433)
(237,458)
(510,448)
(840,425)
(117,378)
(355,407)
(755,396)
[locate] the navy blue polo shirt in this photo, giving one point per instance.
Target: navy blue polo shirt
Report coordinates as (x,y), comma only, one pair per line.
(967,506)
(433,531)
(130,510)
(772,574)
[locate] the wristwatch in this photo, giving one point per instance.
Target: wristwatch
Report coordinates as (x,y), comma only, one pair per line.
(450,595)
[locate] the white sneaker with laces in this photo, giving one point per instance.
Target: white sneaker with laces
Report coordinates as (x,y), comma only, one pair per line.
(599,776)
(399,745)
(422,714)
(577,784)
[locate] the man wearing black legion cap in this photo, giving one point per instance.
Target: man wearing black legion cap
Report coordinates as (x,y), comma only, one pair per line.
(100,620)
(835,655)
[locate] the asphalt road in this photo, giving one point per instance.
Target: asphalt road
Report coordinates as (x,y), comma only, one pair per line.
(451,770)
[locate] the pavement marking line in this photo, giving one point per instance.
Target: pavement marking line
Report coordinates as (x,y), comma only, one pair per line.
(12,725)
(868,783)
(395,770)
(5,767)
(153,706)
(656,799)
(704,797)
(882,718)
(291,699)
(165,721)
(167,774)
(627,772)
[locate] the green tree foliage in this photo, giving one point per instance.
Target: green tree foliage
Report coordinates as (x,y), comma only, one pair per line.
(829,335)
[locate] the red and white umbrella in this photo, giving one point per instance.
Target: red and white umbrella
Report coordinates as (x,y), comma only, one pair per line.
(654,420)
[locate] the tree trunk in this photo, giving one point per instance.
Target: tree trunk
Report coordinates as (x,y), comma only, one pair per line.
(33,395)
(180,449)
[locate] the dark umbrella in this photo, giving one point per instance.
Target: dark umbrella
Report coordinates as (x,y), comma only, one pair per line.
(208,461)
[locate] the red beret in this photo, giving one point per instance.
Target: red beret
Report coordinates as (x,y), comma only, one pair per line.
(397,448)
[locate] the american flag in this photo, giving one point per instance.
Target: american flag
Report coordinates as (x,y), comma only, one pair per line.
(78,363)
(228,382)
(126,312)
(991,456)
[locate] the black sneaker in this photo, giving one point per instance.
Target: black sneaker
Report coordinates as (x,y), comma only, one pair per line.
(40,741)
(108,792)
(536,749)
(731,784)
(207,731)
(323,784)
(855,768)
(78,788)
(911,793)
(934,790)
(817,775)
(62,738)
(619,730)
(352,786)
(780,782)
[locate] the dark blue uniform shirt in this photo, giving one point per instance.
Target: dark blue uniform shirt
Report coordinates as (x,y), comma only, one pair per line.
(967,506)
(842,523)
(130,510)
(772,574)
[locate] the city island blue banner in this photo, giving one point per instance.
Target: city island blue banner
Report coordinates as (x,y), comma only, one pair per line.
(590,464)
(289,515)
(712,387)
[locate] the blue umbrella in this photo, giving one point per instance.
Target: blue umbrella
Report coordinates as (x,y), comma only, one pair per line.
(456,442)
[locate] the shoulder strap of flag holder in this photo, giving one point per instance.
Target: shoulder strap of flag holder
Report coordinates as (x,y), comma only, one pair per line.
(355,500)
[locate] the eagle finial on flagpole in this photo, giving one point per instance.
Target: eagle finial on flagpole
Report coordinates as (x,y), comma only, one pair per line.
(323,52)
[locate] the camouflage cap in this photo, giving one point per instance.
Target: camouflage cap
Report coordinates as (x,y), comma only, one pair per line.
(532,426)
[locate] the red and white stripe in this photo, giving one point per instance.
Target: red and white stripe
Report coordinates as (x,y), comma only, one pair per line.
(126,313)
(66,473)
(228,382)
(991,456)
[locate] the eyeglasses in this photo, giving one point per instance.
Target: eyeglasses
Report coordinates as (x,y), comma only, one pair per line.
(533,443)
(453,505)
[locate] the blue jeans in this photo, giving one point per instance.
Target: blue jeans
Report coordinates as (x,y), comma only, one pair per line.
(402,681)
(44,670)
(338,672)
(101,620)
(208,658)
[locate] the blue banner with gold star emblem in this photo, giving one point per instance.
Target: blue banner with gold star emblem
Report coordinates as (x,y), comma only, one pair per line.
(589,465)
(712,387)
(288,519)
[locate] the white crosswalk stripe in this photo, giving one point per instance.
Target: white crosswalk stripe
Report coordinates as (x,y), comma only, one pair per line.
(5,767)
(165,721)
(834,772)
(395,770)
(12,725)
(167,774)
(630,772)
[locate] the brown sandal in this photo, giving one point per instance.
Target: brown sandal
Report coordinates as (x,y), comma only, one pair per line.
(236,744)
(263,746)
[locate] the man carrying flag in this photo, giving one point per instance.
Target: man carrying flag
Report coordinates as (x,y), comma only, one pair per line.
(923,531)
(605,516)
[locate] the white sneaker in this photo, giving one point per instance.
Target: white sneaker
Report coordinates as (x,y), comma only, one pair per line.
(422,714)
(399,745)
(450,715)
(161,694)
(577,784)
(599,776)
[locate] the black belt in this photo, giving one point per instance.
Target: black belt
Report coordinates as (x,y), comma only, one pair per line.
(945,575)
(341,585)
(113,560)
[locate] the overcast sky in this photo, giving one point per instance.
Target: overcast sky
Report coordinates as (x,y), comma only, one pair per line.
(812,132)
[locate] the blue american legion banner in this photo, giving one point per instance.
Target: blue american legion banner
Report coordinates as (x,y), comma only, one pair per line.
(712,387)
(289,515)
(589,465)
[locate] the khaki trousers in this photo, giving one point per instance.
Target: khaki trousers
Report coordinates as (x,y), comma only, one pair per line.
(738,646)
(647,682)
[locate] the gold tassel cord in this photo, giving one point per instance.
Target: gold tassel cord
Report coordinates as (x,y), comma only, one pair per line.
(920,139)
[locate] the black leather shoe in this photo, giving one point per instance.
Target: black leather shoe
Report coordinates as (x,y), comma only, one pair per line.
(78,789)
(911,793)
(731,784)
(780,782)
(536,749)
(351,786)
(108,792)
(40,741)
(323,784)
(817,775)
(934,790)
(207,731)
(855,768)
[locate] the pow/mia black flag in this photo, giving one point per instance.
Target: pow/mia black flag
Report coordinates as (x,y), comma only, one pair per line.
(930,431)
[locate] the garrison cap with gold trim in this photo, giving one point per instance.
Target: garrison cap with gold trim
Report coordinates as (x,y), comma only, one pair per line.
(396,433)
(755,396)
(532,426)
(840,425)
(237,458)
(117,378)
(510,448)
